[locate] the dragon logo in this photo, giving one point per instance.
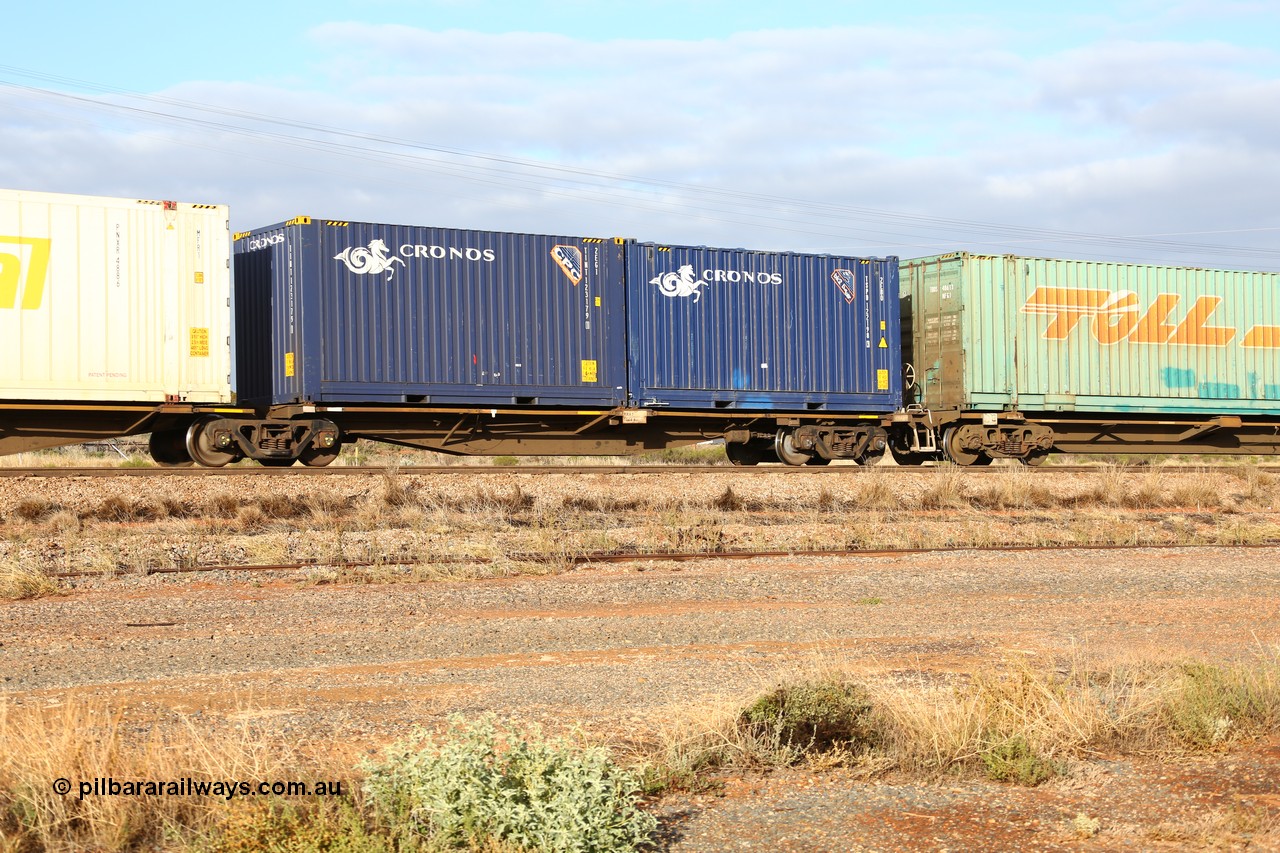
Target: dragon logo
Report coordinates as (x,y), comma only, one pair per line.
(682,283)
(374,260)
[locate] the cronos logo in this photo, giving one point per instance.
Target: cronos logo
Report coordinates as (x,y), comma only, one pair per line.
(685,282)
(680,284)
(374,260)
(264,241)
(24,266)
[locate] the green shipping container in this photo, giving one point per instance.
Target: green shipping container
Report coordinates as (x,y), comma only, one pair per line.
(991,333)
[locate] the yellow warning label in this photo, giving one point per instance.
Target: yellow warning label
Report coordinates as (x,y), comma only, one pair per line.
(882,380)
(288,364)
(199,342)
(882,325)
(884,344)
(597,301)
(588,370)
(199,278)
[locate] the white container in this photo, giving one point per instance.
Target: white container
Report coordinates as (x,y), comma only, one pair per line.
(113,300)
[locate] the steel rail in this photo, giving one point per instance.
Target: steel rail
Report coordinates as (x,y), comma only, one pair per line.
(423,470)
(673,556)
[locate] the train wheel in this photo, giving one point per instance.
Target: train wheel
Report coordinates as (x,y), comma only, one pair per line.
(169,448)
(318,457)
(1035,458)
(872,456)
(958,454)
(200,446)
(784,447)
(906,457)
(742,454)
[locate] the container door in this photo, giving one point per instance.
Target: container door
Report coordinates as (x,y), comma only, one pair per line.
(939,349)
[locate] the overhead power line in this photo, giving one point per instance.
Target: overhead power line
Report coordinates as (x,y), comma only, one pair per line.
(885,227)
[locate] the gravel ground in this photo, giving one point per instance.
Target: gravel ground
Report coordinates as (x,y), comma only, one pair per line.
(623,648)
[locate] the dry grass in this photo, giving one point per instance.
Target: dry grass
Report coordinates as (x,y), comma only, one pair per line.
(1015,488)
(401,518)
(18,582)
(1019,724)
(945,490)
(82,742)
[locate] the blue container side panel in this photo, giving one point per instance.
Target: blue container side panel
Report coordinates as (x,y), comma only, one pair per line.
(387,314)
(734,329)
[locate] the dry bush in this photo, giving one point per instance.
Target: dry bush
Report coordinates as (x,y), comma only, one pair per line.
(945,490)
(251,518)
(175,508)
(35,509)
(1108,488)
(728,501)
(65,521)
(1149,494)
(1015,488)
(19,582)
(223,505)
(282,507)
(604,503)
(115,509)
(327,506)
(483,504)
(395,492)
(1257,484)
(1201,493)
(877,492)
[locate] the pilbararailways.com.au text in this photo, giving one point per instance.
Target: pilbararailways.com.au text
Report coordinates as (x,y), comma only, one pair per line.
(228,789)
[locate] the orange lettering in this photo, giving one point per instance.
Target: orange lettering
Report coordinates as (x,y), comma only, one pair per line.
(1193,330)
(1116,318)
(1262,337)
(1153,329)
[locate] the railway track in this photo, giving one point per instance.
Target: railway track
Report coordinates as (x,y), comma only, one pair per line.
(424,470)
(674,556)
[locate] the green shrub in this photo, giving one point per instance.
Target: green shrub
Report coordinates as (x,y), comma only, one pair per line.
(279,827)
(484,783)
(813,716)
(1214,704)
(1013,760)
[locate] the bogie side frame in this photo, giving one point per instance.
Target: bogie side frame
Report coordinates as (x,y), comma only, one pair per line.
(217,435)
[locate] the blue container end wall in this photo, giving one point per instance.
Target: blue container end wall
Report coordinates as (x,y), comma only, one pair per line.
(735,329)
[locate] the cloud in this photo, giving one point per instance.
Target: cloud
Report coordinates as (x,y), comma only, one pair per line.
(871,139)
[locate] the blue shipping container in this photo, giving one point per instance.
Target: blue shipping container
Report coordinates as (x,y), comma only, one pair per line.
(735,329)
(337,312)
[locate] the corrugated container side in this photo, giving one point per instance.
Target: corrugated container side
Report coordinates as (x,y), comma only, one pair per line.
(730,328)
(113,300)
(361,312)
(1042,334)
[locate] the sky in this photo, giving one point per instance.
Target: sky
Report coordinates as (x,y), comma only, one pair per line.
(1128,130)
